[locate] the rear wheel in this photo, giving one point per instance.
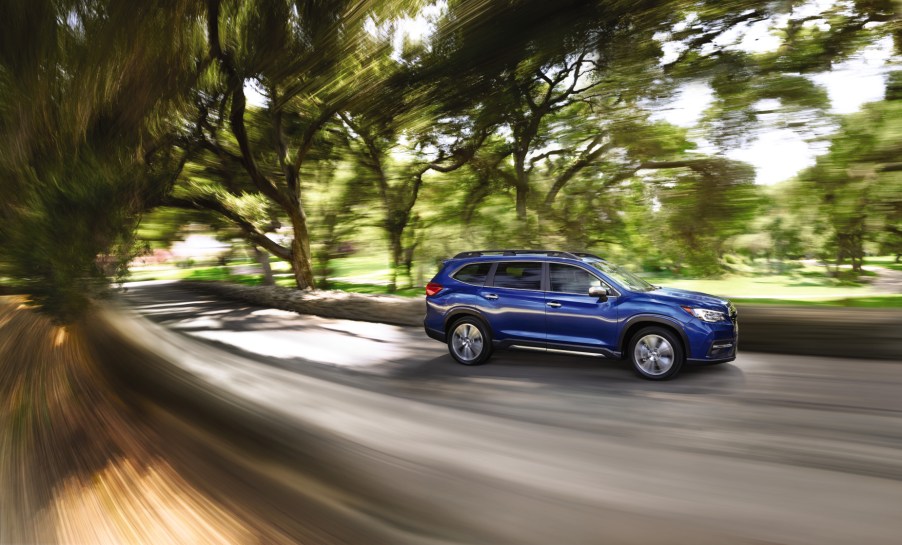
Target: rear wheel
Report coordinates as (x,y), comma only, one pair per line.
(469,341)
(656,353)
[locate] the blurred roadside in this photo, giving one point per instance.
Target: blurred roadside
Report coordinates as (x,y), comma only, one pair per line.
(802,282)
(871,333)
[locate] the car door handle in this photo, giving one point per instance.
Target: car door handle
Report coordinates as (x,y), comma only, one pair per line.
(491,296)
(554,304)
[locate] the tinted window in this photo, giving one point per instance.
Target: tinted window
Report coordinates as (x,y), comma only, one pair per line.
(628,279)
(523,276)
(569,279)
(473,274)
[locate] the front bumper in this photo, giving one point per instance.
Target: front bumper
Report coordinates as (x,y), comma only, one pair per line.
(713,342)
(722,349)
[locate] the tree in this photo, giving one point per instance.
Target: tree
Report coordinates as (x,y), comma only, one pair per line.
(310,59)
(91,96)
(106,102)
(398,173)
(858,183)
(573,103)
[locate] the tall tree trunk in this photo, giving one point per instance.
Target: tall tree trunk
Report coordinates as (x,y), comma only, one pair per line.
(524,235)
(522,185)
(408,263)
(522,194)
(397,251)
(301,264)
(262,257)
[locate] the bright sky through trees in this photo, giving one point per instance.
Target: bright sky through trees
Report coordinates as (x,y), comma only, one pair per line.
(778,153)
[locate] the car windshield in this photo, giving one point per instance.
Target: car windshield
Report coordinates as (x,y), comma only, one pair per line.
(625,278)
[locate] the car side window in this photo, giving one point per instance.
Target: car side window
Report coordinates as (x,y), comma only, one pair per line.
(522,276)
(570,279)
(473,273)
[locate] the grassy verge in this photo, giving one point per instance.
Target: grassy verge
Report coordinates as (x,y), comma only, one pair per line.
(888,262)
(223,274)
(875,301)
(803,286)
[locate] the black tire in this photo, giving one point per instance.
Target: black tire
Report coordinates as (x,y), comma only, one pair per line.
(656,353)
(469,336)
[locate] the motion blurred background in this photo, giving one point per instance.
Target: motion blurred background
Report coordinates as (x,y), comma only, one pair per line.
(751,150)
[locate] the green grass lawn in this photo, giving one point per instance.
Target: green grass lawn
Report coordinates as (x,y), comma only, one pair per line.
(875,301)
(362,268)
(778,286)
(888,262)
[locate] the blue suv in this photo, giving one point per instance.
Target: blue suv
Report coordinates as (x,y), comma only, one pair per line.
(575,302)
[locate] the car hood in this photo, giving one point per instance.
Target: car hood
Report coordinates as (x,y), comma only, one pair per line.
(688,298)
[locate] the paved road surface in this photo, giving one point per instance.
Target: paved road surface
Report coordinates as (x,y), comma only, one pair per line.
(550,449)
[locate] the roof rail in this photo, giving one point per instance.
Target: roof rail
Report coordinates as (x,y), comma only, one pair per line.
(549,253)
(586,254)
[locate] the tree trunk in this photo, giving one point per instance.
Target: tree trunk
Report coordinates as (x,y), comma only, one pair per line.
(397,251)
(262,257)
(301,264)
(522,194)
(522,185)
(408,263)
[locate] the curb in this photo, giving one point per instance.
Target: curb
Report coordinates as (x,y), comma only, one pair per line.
(828,331)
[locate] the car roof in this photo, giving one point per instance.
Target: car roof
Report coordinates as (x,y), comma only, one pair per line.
(514,253)
(490,258)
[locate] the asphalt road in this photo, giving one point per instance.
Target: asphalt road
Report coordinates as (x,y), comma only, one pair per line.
(402,445)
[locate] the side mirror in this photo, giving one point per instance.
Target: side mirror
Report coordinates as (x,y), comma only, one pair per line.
(600,292)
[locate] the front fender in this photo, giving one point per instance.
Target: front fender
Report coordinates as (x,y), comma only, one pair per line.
(656,319)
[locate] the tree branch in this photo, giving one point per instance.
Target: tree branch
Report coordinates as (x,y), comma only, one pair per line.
(587,157)
(236,113)
(251,232)
(546,155)
(310,134)
(288,170)
(373,156)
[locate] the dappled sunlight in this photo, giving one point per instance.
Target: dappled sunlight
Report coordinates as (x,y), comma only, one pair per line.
(364,346)
(124,503)
(338,348)
(76,463)
(371,330)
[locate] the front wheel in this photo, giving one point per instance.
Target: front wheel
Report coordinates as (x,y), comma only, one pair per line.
(656,353)
(469,342)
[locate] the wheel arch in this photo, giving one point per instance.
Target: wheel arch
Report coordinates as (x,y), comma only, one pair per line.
(463,312)
(640,321)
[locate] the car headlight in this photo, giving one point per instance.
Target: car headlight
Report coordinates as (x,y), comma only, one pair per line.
(706,315)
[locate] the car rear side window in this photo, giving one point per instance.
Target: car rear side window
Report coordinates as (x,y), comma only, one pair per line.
(522,276)
(570,279)
(473,273)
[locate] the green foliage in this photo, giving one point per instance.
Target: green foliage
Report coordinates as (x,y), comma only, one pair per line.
(89,94)
(68,238)
(857,186)
(523,121)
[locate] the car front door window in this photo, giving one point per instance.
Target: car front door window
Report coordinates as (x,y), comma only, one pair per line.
(570,279)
